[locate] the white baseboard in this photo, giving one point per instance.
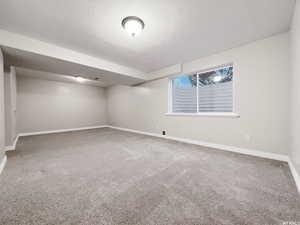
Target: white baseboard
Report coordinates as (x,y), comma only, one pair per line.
(60,130)
(3,163)
(295,174)
(261,154)
(12,147)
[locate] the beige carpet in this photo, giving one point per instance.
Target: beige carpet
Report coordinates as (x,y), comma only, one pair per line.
(105,176)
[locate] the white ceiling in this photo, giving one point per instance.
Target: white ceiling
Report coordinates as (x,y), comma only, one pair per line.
(35,62)
(176,31)
(57,77)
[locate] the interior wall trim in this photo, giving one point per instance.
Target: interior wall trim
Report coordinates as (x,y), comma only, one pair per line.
(3,163)
(60,130)
(295,174)
(244,151)
(12,147)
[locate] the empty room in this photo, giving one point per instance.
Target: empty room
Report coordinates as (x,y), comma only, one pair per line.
(136,112)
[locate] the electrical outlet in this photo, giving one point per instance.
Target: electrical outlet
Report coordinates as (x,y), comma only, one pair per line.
(163,132)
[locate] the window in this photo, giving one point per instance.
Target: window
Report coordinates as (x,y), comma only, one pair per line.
(205,92)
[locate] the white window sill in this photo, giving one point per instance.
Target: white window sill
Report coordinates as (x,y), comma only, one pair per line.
(225,114)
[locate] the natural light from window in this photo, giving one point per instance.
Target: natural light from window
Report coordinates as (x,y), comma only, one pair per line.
(210,91)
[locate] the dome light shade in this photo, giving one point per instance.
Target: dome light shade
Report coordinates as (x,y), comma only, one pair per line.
(133,25)
(79,79)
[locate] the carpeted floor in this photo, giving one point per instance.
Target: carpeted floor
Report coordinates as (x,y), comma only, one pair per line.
(105,176)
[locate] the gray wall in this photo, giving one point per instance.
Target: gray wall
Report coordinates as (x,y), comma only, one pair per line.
(2,125)
(50,105)
(295,88)
(261,96)
(10,94)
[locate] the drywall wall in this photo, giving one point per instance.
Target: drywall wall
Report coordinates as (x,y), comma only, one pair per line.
(10,95)
(261,99)
(2,124)
(45,105)
(295,88)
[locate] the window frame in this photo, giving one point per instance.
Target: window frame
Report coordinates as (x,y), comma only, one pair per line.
(207,114)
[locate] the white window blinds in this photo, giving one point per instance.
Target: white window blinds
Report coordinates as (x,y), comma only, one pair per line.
(184,94)
(209,91)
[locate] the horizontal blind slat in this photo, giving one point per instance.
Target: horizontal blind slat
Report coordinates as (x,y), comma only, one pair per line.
(215,98)
(185,99)
(211,98)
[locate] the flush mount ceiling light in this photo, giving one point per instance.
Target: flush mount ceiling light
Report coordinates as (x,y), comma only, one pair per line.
(79,79)
(133,25)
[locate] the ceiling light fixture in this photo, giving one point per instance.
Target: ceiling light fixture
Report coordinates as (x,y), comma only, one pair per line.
(133,25)
(79,79)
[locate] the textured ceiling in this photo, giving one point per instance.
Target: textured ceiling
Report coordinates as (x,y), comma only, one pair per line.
(52,66)
(57,77)
(176,31)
